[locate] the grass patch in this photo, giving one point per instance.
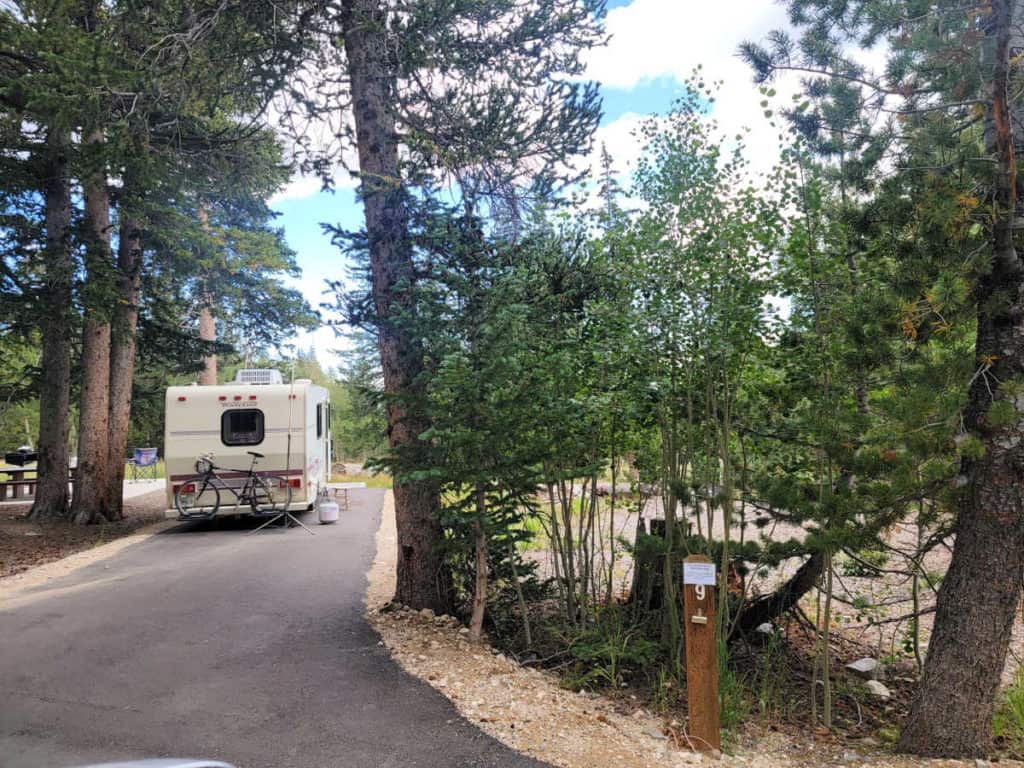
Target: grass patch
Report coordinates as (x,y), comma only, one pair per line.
(1008,721)
(380,480)
(146,473)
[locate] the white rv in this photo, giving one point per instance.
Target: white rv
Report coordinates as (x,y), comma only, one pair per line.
(254,413)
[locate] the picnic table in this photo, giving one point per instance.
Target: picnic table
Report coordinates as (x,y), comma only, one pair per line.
(340,493)
(22,487)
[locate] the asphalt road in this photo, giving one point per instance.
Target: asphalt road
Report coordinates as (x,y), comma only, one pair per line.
(205,641)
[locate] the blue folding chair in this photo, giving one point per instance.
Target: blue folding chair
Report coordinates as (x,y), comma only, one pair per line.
(143,461)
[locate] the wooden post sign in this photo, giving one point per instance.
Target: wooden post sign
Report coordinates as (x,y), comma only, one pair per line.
(701,652)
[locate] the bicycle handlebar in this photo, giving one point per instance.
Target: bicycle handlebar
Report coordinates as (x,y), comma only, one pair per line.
(211,467)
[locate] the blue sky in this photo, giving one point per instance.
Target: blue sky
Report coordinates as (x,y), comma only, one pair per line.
(654,46)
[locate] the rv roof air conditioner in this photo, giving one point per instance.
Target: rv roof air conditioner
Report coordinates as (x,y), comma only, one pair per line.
(258,376)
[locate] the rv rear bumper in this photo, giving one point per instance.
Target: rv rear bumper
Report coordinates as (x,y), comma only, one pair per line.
(244,509)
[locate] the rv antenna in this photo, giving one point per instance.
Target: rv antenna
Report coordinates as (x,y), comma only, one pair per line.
(289,518)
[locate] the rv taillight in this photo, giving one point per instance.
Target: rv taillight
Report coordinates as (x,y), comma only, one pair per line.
(187,488)
(223,397)
(181,398)
(238,397)
(252,397)
(295,482)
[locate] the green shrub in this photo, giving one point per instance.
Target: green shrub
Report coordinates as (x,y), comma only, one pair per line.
(610,649)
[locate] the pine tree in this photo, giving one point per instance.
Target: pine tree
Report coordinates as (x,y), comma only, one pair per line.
(464,91)
(949,142)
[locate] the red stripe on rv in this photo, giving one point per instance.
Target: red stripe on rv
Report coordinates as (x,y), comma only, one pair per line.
(228,475)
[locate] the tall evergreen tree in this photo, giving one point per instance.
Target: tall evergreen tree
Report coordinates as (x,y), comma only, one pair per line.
(151,93)
(38,110)
(949,99)
(451,90)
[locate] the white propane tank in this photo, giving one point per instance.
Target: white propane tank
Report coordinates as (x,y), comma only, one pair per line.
(328,512)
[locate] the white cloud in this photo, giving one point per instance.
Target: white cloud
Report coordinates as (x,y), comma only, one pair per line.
(297,188)
(665,40)
(325,343)
(652,40)
(668,38)
(620,138)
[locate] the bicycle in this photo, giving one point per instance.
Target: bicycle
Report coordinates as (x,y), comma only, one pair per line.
(198,498)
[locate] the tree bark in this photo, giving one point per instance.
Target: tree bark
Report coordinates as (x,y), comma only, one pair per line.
(476,622)
(51,500)
(122,359)
(207,332)
(207,322)
(951,714)
(423,578)
(88,500)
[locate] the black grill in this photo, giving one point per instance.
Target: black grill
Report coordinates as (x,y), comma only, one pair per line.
(21,457)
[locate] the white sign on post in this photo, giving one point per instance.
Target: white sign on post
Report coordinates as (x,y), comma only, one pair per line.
(701,574)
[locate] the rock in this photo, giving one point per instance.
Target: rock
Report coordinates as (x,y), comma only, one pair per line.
(866,667)
(427,613)
(905,668)
(463,630)
(979,763)
(851,757)
(765,629)
(655,733)
(689,758)
(878,689)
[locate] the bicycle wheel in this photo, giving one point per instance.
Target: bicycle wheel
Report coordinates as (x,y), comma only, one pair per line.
(270,495)
(197,498)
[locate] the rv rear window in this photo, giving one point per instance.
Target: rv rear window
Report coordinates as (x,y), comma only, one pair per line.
(242,427)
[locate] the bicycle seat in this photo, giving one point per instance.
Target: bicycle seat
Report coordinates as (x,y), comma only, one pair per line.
(257,455)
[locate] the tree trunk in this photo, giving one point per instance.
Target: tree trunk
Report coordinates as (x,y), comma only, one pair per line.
(88,501)
(207,332)
(207,322)
(423,579)
(951,714)
(51,499)
(476,622)
(122,359)
(769,607)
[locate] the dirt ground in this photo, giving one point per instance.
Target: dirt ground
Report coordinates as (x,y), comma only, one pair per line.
(528,710)
(888,595)
(25,544)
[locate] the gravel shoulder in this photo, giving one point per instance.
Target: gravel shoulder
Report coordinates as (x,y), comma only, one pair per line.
(530,712)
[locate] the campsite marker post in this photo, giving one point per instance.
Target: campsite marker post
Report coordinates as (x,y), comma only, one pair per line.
(701,652)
